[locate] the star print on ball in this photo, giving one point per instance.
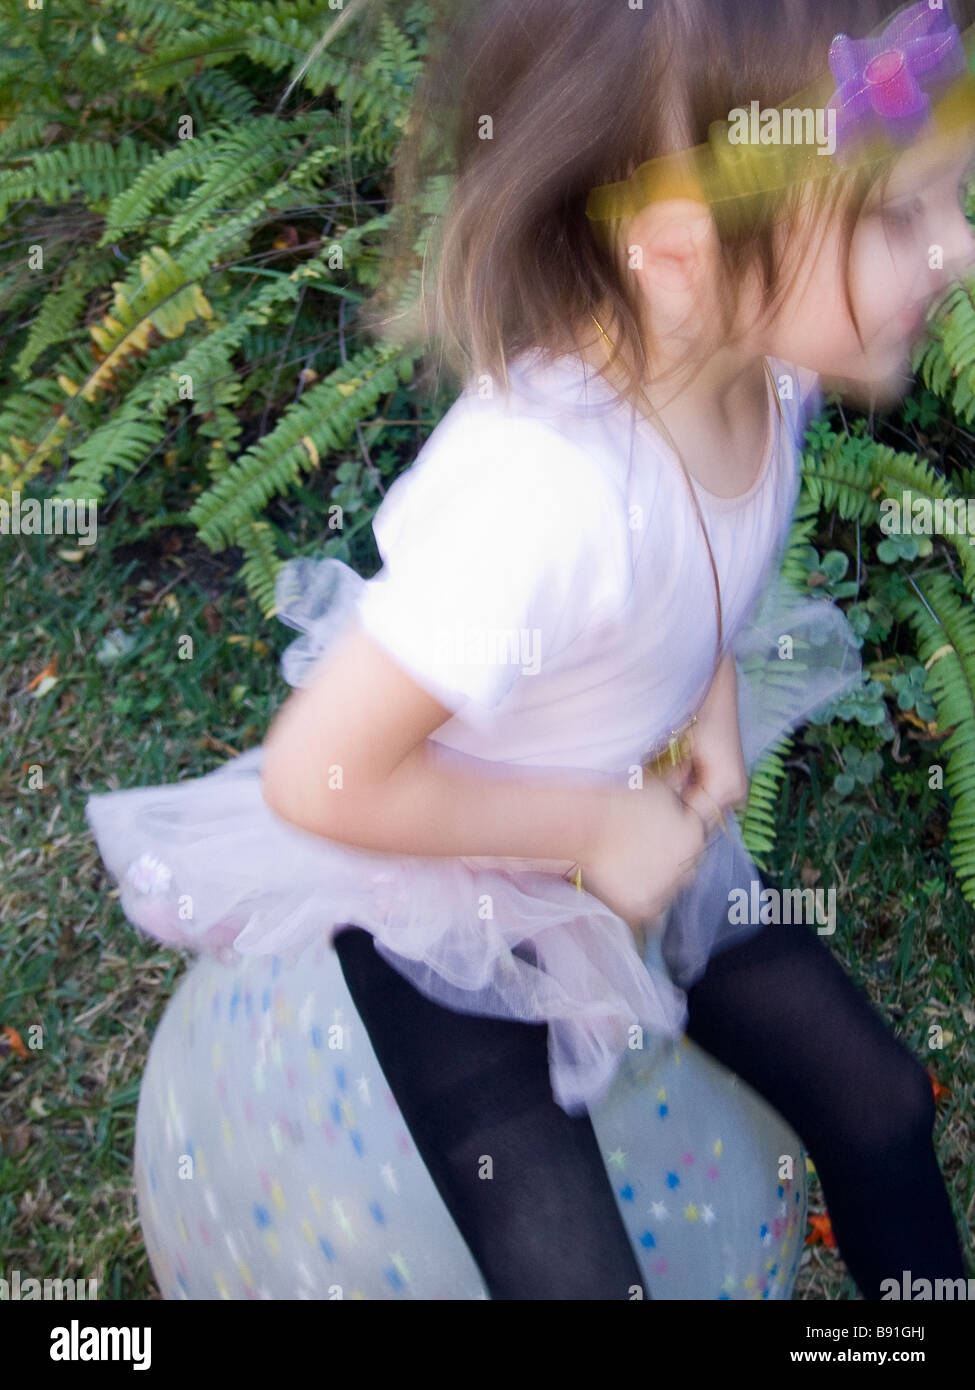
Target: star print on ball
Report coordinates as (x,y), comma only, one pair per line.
(272,1161)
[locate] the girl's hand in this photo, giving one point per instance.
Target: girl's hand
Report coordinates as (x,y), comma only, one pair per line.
(648,849)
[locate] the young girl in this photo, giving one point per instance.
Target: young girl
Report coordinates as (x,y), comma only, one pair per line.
(510,762)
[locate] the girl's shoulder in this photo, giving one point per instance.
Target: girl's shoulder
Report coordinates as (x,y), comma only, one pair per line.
(518,465)
(542,438)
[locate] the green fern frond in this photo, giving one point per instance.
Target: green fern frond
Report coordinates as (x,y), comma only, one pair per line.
(26,412)
(153,185)
(837,472)
(757,822)
(908,471)
(162,301)
(227,100)
(24,416)
(210,245)
(154,19)
(946,358)
(55,321)
(377,94)
(805,523)
(261,564)
(946,646)
(97,169)
(22,136)
(897,473)
(192,49)
(963,479)
(321,422)
(124,441)
(243,161)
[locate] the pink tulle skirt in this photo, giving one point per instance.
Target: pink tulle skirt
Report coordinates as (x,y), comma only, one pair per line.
(205,865)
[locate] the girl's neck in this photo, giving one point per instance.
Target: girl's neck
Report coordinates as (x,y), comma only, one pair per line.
(717,415)
(721,388)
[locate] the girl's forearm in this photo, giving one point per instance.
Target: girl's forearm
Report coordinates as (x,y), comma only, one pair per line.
(442,803)
(723,693)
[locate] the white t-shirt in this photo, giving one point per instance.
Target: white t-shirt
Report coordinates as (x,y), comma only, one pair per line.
(544,573)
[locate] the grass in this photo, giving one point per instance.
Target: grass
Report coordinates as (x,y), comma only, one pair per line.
(72,964)
(74,968)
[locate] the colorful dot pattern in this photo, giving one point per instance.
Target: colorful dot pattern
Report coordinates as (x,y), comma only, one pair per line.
(272,1161)
(710,1182)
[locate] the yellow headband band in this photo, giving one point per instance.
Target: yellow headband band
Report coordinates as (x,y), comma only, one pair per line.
(722,172)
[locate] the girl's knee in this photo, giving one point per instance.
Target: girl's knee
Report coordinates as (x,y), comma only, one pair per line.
(901,1112)
(918,1100)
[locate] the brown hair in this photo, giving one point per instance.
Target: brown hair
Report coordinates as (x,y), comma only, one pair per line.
(573,94)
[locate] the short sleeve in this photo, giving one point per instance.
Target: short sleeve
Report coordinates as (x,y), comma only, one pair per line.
(501,544)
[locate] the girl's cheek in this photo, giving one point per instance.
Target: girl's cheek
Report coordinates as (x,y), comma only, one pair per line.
(896,271)
(883,286)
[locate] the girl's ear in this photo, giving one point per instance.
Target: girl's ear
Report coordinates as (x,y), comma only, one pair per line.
(670,244)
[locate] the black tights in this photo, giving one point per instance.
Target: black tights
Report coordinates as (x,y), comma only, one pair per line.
(777,1009)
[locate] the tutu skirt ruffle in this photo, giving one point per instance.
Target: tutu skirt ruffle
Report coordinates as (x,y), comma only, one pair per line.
(205,865)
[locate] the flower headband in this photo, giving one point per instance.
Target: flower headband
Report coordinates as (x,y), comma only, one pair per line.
(916,74)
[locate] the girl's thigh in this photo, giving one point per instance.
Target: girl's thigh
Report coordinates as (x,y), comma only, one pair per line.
(524,1182)
(780,1010)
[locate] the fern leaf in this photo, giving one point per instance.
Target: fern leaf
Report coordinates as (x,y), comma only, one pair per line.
(758,820)
(326,415)
(261,564)
(946,360)
(837,473)
(946,646)
(154,183)
(55,176)
(122,442)
(898,473)
(55,319)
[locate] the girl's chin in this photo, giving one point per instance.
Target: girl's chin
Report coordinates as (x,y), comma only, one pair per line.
(877,392)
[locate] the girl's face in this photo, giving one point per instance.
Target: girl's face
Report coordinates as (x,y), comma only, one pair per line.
(911,241)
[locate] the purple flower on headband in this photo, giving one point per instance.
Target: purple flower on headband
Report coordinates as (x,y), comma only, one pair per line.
(878,79)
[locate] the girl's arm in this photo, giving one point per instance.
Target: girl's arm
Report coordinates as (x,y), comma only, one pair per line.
(348,758)
(717,762)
